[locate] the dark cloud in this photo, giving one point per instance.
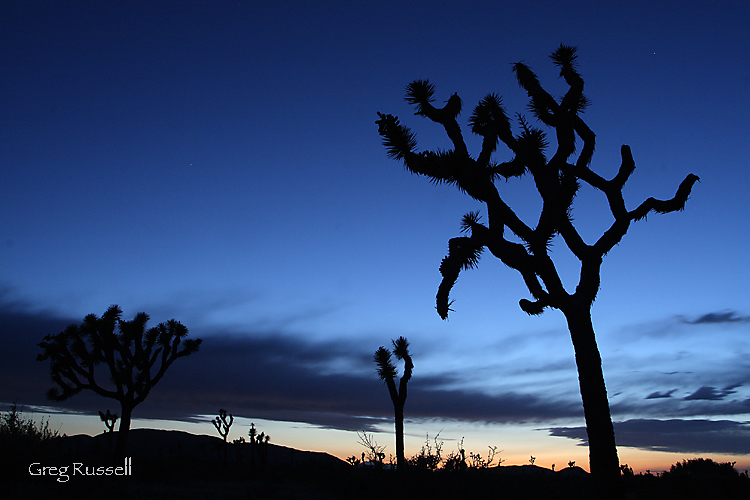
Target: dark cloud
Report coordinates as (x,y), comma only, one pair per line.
(677,436)
(271,376)
(430,400)
(20,332)
(720,317)
(711,393)
(659,395)
(678,407)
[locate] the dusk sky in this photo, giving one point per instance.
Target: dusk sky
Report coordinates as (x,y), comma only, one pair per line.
(219,163)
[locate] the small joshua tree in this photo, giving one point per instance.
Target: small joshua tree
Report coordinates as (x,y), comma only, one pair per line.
(387,372)
(130,357)
(557,180)
(222,425)
(109,420)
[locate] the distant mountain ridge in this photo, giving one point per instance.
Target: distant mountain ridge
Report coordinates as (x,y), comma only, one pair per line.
(171,445)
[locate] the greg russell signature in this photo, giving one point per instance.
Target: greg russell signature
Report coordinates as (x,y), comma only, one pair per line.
(65,472)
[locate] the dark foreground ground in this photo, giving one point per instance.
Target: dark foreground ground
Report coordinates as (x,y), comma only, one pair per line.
(162,469)
(312,483)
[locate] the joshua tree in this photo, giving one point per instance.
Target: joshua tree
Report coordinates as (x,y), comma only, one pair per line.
(557,180)
(222,425)
(109,420)
(387,372)
(135,360)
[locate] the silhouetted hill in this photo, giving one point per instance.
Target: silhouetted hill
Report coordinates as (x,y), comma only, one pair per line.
(157,444)
(535,470)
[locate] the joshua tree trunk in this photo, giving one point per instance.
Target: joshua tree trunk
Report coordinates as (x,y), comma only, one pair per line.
(603,457)
(123,431)
(400,458)
(398,411)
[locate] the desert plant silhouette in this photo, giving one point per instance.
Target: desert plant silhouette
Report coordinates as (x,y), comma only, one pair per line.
(430,456)
(13,426)
(387,372)
(222,425)
(109,420)
(375,452)
(128,350)
(557,180)
(258,446)
(22,440)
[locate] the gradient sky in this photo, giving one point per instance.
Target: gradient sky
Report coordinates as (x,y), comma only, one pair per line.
(219,163)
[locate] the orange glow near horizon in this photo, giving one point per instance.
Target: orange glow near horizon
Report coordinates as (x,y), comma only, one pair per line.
(515,443)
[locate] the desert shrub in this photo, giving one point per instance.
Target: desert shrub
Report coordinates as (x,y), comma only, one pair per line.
(428,458)
(375,452)
(23,440)
(703,467)
(15,428)
(477,461)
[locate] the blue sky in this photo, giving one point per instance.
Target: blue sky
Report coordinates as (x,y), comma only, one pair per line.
(218,163)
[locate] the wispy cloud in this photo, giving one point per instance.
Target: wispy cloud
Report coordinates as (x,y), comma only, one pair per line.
(660,395)
(719,317)
(711,393)
(675,435)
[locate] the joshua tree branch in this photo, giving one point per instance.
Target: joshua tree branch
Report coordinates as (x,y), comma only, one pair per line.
(677,203)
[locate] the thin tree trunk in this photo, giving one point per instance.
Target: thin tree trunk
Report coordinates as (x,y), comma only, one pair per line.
(400,459)
(122,432)
(603,459)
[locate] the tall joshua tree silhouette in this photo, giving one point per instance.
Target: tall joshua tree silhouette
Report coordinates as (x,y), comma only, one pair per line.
(557,180)
(387,372)
(135,360)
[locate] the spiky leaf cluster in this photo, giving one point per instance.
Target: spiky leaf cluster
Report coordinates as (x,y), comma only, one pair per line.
(386,368)
(401,348)
(470,221)
(135,357)
(565,56)
(419,93)
(398,140)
